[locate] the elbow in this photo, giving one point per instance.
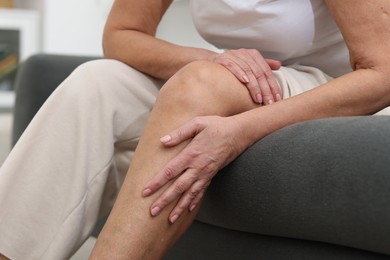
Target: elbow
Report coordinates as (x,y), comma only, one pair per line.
(111,41)
(375,72)
(378,62)
(106,43)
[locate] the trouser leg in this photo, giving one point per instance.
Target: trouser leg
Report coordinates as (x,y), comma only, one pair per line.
(52,184)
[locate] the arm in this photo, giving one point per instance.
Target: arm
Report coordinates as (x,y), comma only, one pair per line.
(129,36)
(366,29)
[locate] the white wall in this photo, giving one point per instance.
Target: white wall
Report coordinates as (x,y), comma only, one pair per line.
(177,26)
(72,27)
(75,26)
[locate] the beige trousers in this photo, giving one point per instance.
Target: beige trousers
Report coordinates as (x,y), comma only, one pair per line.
(69,164)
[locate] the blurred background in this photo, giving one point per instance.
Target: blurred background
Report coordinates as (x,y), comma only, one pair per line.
(71,27)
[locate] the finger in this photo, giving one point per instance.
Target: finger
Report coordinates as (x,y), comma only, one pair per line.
(196,201)
(257,85)
(234,65)
(244,66)
(196,189)
(244,70)
(266,80)
(265,87)
(270,90)
(185,132)
(174,191)
(275,88)
(273,64)
(254,89)
(171,170)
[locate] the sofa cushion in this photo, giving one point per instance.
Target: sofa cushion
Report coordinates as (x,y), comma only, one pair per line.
(324,180)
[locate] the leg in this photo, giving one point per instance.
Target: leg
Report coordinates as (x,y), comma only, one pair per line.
(52,184)
(201,88)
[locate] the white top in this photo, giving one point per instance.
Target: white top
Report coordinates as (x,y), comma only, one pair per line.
(292,31)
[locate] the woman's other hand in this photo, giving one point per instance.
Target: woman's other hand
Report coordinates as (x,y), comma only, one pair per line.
(253,70)
(214,142)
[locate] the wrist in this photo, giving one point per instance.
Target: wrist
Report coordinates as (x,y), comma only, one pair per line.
(262,121)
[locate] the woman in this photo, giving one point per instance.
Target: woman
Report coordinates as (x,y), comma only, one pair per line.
(196,124)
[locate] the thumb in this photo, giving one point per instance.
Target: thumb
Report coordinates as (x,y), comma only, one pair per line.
(273,64)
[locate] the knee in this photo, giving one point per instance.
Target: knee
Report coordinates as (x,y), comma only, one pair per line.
(194,83)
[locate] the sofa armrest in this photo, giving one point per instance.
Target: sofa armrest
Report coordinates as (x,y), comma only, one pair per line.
(325,180)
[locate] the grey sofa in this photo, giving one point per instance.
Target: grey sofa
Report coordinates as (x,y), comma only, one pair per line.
(314,190)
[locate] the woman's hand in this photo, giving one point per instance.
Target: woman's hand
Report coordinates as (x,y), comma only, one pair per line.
(214,142)
(250,67)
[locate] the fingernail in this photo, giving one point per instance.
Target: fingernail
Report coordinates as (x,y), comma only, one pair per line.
(259,98)
(174,218)
(192,208)
(270,102)
(245,79)
(155,211)
(146,192)
(278,97)
(165,139)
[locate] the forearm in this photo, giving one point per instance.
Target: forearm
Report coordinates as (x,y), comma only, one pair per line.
(361,92)
(148,54)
